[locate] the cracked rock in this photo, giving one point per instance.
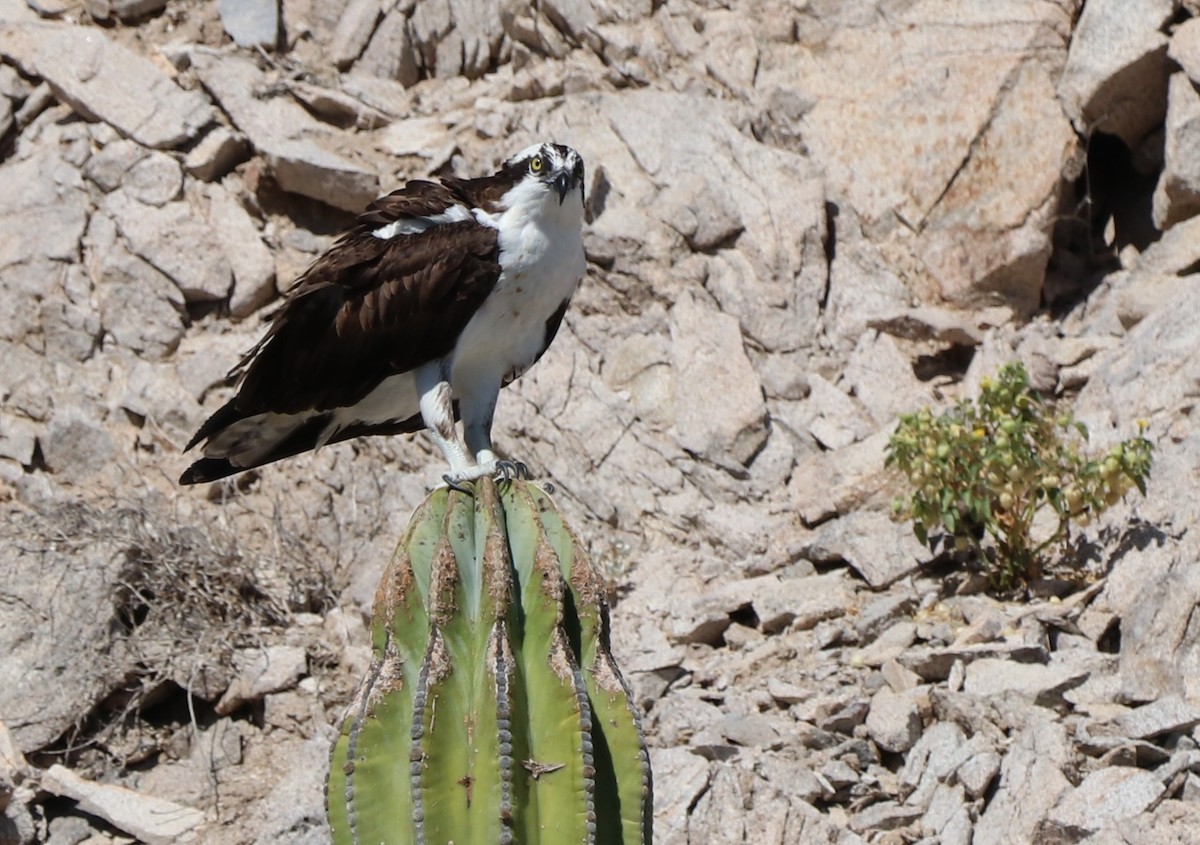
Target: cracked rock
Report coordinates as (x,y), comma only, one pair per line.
(719,411)
(894,722)
(251,23)
(1170,714)
(879,549)
(263,671)
(170,238)
(298,148)
(1177,196)
(1117,67)
(1102,798)
(1044,685)
(104,81)
(152,820)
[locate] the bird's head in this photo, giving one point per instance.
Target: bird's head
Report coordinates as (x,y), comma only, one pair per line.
(547,171)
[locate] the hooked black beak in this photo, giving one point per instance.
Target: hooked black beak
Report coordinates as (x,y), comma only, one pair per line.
(562,184)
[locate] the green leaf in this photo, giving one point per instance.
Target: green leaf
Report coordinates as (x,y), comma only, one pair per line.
(950,520)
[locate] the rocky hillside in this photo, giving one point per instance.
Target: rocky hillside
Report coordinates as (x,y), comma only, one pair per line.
(805,217)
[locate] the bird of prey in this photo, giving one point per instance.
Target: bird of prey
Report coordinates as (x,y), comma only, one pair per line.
(441,293)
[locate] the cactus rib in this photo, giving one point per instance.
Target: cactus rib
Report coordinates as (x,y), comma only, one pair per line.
(493,711)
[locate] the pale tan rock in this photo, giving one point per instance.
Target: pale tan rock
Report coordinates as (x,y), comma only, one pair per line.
(838,420)
(108,166)
(126,10)
(1177,195)
(13,766)
(1118,53)
(251,23)
(686,778)
(1138,295)
(170,238)
(153,820)
(721,185)
(105,81)
(298,148)
(830,483)
(252,263)
(16,11)
(353,31)
(156,397)
(976,210)
(155,180)
(640,365)
(894,722)
(1032,780)
(387,95)
(456,37)
(1102,798)
(1169,714)
(77,445)
(391,53)
(873,545)
(18,438)
(140,307)
(216,154)
(1184,49)
(1043,685)
(337,107)
(941,324)
(203,363)
(1174,253)
(263,671)
(881,378)
(719,411)
(985,239)
(45,219)
(863,285)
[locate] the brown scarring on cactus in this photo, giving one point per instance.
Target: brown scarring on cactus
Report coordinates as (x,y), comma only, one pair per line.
(493,711)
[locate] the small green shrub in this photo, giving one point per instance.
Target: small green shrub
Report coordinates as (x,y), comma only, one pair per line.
(983,470)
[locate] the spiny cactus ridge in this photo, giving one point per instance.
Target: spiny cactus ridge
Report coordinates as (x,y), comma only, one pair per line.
(493,711)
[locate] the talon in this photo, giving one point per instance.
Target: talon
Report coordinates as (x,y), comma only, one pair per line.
(508,470)
(454,485)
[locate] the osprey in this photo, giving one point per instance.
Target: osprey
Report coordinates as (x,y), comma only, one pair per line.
(441,294)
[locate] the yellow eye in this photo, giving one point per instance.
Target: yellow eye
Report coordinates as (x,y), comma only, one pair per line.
(536,164)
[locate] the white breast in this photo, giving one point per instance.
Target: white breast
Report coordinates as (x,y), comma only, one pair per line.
(542,261)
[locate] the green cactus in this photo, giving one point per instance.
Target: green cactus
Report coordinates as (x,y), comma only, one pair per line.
(493,711)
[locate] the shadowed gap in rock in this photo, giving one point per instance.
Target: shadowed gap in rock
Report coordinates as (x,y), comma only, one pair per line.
(1109,207)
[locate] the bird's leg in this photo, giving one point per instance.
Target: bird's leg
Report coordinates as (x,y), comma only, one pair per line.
(437,410)
(477,427)
(477,422)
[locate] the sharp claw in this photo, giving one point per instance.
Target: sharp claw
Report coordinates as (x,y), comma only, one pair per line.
(454,485)
(508,470)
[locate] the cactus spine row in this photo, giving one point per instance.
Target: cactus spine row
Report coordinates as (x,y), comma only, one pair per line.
(493,711)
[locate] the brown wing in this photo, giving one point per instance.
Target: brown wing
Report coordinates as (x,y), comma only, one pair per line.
(372,307)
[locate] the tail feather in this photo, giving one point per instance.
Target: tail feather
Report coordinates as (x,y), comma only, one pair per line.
(208,469)
(224,417)
(237,443)
(247,443)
